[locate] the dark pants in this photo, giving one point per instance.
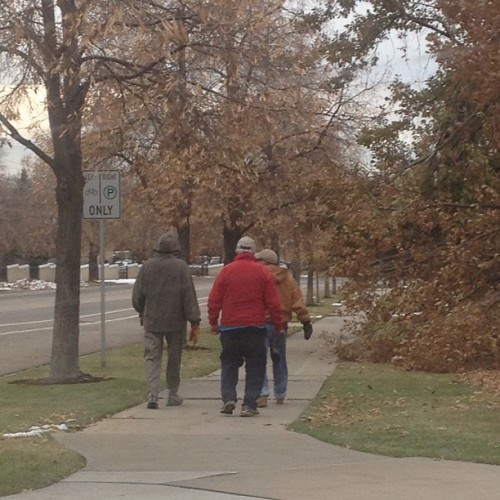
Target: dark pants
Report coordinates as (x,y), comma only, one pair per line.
(243,346)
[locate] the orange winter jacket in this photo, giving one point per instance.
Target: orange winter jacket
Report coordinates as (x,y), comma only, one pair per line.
(291,298)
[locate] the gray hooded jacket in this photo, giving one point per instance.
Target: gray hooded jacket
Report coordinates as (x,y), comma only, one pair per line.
(164,292)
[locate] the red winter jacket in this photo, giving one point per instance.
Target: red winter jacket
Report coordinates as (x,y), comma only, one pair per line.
(243,291)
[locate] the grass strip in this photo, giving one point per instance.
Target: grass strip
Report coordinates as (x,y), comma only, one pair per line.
(381,409)
(28,463)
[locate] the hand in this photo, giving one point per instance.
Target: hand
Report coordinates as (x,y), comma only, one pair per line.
(214,329)
(308,329)
(195,333)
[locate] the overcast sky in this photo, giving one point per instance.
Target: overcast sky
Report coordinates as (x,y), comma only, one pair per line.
(414,69)
(32,120)
(11,158)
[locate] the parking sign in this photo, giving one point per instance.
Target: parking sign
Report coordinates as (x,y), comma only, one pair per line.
(101,194)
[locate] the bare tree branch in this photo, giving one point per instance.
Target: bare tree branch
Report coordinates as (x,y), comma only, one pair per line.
(14,133)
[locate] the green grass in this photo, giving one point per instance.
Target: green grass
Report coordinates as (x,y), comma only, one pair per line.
(317,311)
(30,463)
(384,410)
(33,463)
(374,408)
(324,307)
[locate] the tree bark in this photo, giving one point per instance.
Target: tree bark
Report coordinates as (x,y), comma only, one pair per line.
(231,237)
(184,232)
(296,270)
(310,288)
(64,361)
(93,264)
(327,286)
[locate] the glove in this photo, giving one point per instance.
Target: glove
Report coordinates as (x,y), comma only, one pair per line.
(275,353)
(195,333)
(308,329)
(214,329)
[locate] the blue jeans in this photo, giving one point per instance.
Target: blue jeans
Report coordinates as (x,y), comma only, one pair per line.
(280,369)
(243,346)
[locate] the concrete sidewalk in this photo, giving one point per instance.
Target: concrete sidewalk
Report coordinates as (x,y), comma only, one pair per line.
(192,452)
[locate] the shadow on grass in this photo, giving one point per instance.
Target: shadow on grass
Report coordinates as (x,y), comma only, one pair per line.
(83,378)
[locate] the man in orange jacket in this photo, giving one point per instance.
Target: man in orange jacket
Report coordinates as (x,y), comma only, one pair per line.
(292,301)
(242,293)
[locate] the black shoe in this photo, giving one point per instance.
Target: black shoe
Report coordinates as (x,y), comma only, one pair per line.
(152,402)
(228,408)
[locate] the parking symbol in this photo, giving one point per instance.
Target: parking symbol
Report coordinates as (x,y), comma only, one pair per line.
(110,192)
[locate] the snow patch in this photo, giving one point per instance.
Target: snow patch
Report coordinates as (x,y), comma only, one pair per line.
(38,430)
(49,285)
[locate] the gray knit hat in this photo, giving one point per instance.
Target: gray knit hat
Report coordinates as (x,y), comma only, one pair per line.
(245,244)
(267,255)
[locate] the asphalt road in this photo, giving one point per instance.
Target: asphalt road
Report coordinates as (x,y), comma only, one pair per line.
(26,321)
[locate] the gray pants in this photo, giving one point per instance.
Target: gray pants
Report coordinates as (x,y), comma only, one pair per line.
(153,354)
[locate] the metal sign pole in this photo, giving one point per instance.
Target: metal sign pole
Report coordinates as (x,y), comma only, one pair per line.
(103,301)
(101,200)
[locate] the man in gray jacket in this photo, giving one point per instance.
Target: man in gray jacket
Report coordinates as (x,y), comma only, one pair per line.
(165,298)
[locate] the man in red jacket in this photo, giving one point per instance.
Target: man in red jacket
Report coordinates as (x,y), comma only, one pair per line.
(242,293)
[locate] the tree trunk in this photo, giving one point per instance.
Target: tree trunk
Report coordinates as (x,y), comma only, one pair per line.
(93,261)
(3,268)
(64,362)
(184,232)
(327,286)
(231,237)
(310,288)
(296,269)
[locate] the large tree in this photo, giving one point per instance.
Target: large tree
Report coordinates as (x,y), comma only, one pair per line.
(251,107)
(424,219)
(73,49)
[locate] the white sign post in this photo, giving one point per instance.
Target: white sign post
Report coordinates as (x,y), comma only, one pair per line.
(101,200)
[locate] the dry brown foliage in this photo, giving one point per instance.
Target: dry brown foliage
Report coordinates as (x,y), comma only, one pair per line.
(420,238)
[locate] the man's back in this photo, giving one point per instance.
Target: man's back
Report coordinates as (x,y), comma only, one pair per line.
(164,293)
(289,293)
(165,298)
(243,291)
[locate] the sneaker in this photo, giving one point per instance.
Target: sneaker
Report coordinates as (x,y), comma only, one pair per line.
(280,401)
(174,400)
(152,402)
(261,401)
(246,411)
(228,408)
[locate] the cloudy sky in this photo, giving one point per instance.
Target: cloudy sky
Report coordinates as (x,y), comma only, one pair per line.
(414,68)
(11,158)
(32,120)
